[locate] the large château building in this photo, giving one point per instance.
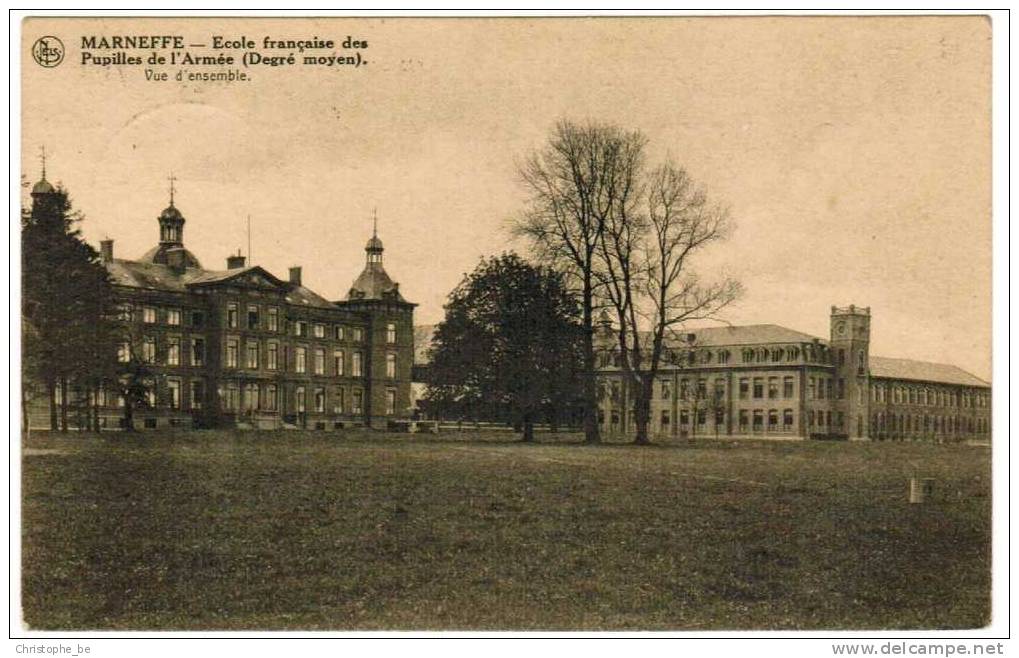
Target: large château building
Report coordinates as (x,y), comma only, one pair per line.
(241,347)
(770,381)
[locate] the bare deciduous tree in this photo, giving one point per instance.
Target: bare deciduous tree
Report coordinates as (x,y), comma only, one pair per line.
(645,255)
(577,183)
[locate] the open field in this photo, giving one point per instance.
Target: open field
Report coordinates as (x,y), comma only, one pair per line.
(216,530)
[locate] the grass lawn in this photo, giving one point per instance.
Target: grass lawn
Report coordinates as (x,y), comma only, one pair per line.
(217,530)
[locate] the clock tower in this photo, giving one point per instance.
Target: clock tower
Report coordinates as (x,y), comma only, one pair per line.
(850,348)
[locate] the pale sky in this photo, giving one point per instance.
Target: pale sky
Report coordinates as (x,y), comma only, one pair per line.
(854,153)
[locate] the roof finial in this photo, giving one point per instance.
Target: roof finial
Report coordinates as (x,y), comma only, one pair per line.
(42,157)
(171,179)
(375,223)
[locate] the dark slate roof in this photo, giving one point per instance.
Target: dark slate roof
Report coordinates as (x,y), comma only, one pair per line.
(158,255)
(154,276)
(150,276)
(374,283)
(751,334)
(923,371)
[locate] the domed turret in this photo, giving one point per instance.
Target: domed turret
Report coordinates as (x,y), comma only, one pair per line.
(43,186)
(171,238)
(374,283)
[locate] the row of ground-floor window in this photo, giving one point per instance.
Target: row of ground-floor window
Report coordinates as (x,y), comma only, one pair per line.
(713,421)
(906,425)
(236,400)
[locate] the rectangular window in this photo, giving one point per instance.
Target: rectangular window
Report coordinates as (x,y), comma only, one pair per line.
(124,352)
(665,418)
(149,315)
(357,402)
(269,403)
(252,353)
(300,359)
(391,334)
(391,366)
(719,389)
(320,330)
(812,393)
(666,386)
(390,401)
(252,317)
(231,353)
(702,417)
(274,319)
(820,388)
(787,387)
(338,332)
(126,313)
(772,387)
(250,400)
(744,420)
(149,349)
(772,420)
(719,417)
(702,389)
(744,388)
(272,356)
(758,420)
(300,328)
(173,393)
(338,401)
(684,417)
(338,363)
(173,350)
(320,400)
(758,388)
(197,351)
(787,420)
(355,365)
(173,316)
(299,401)
(840,389)
(231,315)
(197,393)
(320,361)
(197,319)
(357,334)
(683,384)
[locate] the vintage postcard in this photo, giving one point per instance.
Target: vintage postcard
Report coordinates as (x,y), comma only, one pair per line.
(519,323)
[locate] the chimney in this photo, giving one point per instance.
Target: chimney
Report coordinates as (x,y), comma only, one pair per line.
(295,275)
(106,251)
(175,259)
(234,262)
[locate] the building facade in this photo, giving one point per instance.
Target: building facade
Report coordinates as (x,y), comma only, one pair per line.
(240,347)
(770,381)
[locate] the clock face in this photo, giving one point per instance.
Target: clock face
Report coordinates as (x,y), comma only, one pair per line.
(840,328)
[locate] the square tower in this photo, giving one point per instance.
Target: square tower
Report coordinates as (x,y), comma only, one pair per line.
(850,347)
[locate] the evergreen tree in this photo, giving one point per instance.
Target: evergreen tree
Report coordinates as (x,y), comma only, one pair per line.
(67,307)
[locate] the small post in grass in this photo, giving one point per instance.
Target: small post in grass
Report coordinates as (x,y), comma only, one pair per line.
(920,489)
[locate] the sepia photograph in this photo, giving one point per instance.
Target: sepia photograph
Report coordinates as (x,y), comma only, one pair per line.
(561,323)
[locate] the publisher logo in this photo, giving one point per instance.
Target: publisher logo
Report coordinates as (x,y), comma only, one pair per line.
(48,51)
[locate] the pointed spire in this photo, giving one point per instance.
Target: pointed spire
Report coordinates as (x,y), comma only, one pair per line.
(375,222)
(172,179)
(42,157)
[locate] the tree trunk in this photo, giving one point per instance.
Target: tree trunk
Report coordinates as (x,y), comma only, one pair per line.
(63,404)
(24,410)
(96,427)
(51,390)
(528,436)
(642,407)
(128,415)
(591,435)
